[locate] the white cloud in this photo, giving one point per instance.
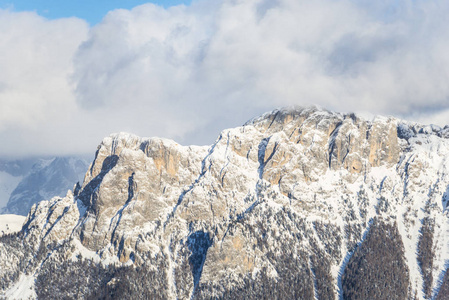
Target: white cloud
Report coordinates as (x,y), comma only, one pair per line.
(35,60)
(35,63)
(189,71)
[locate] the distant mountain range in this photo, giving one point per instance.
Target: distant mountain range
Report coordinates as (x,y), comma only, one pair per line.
(28,181)
(299,203)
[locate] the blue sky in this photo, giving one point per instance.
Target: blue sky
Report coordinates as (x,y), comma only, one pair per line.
(90,10)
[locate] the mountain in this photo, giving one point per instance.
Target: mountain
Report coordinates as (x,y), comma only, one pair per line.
(299,203)
(17,167)
(26,184)
(11,173)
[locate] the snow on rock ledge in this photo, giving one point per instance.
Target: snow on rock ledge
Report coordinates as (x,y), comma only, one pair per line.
(303,179)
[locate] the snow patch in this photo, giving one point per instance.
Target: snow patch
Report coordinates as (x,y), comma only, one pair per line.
(11,223)
(23,289)
(7,185)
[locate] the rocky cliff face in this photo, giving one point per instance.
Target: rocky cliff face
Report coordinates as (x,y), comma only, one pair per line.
(286,206)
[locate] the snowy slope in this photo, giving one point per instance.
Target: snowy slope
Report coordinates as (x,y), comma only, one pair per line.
(282,203)
(10,223)
(8,183)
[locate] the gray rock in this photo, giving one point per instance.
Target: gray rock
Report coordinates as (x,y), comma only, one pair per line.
(297,182)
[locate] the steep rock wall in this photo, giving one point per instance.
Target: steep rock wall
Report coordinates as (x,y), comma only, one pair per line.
(292,187)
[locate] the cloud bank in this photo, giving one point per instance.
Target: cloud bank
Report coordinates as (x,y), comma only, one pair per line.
(187,72)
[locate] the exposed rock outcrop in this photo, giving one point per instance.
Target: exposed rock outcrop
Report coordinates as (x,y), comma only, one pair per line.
(292,187)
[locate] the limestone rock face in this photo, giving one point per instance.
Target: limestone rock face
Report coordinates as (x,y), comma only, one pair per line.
(133,182)
(50,221)
(303,183)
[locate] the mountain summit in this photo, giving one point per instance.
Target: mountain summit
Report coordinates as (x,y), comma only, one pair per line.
(299,203)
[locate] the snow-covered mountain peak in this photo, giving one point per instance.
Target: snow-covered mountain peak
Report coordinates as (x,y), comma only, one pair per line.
(45,179)
(294,198)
